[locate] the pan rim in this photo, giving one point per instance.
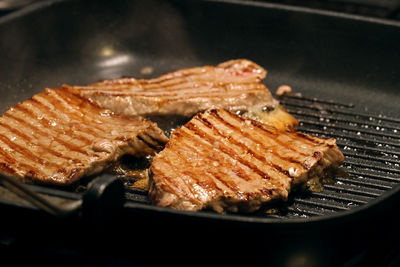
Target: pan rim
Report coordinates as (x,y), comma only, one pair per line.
(339,215)
(309,10)
(28,9)
(343,216)
(297,9)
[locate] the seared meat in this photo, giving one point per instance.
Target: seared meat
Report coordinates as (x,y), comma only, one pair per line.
(234,85)
(225,162)
(58,137)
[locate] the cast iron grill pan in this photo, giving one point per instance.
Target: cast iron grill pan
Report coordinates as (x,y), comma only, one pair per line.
(370,143)
(295,45)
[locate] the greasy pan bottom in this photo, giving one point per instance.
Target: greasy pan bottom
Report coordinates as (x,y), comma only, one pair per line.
(323,55)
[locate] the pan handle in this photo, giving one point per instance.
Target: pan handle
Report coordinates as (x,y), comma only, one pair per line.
(104,193)
(37,200)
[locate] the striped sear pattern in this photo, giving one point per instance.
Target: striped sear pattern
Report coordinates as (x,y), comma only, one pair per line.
(222,161)
(234,85)
(57,137)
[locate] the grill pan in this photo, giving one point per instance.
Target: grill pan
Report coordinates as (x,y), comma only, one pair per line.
(345,67)
(370,143)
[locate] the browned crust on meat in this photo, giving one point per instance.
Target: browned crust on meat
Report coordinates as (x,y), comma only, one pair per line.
(222,161)
(58,137)
(234,85)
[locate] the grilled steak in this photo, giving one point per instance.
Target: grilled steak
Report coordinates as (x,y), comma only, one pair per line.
(58,137)
(222,161)
(234,85)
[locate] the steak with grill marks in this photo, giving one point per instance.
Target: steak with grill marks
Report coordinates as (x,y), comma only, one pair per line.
(222,161)
(58,137)
(234,85)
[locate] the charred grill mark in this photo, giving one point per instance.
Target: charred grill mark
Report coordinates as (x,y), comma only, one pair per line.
(168,81)
(15,131)
(168,186)
(32,150)
(72,99)
(310,139)
(216,174)
(149,144)
(24,123)
(46,110)
(179,85)
(241,145)
(27,155)
(119,81)
(27,138)
(178,81)
(6,168)
(187,183)
(215,114)
(6,156)
(184,136)
(83,107)
(21,150)
(55,138)
(11,161)
(192,175)
(179,93)
(47,123)
(172,181)
(200,72)
(175,97)
(89,111)
(240,173)
(145,85)
(209,94)
(193,72)
(159,143)
(108,86)
(266,130)
(77,114)
(228,183)
(158,140)
(227,150)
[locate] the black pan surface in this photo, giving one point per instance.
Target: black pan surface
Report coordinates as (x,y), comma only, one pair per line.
(330,56)
(348,59)
(344,58)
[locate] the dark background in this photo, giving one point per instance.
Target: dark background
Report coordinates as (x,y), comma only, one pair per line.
(157,239)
